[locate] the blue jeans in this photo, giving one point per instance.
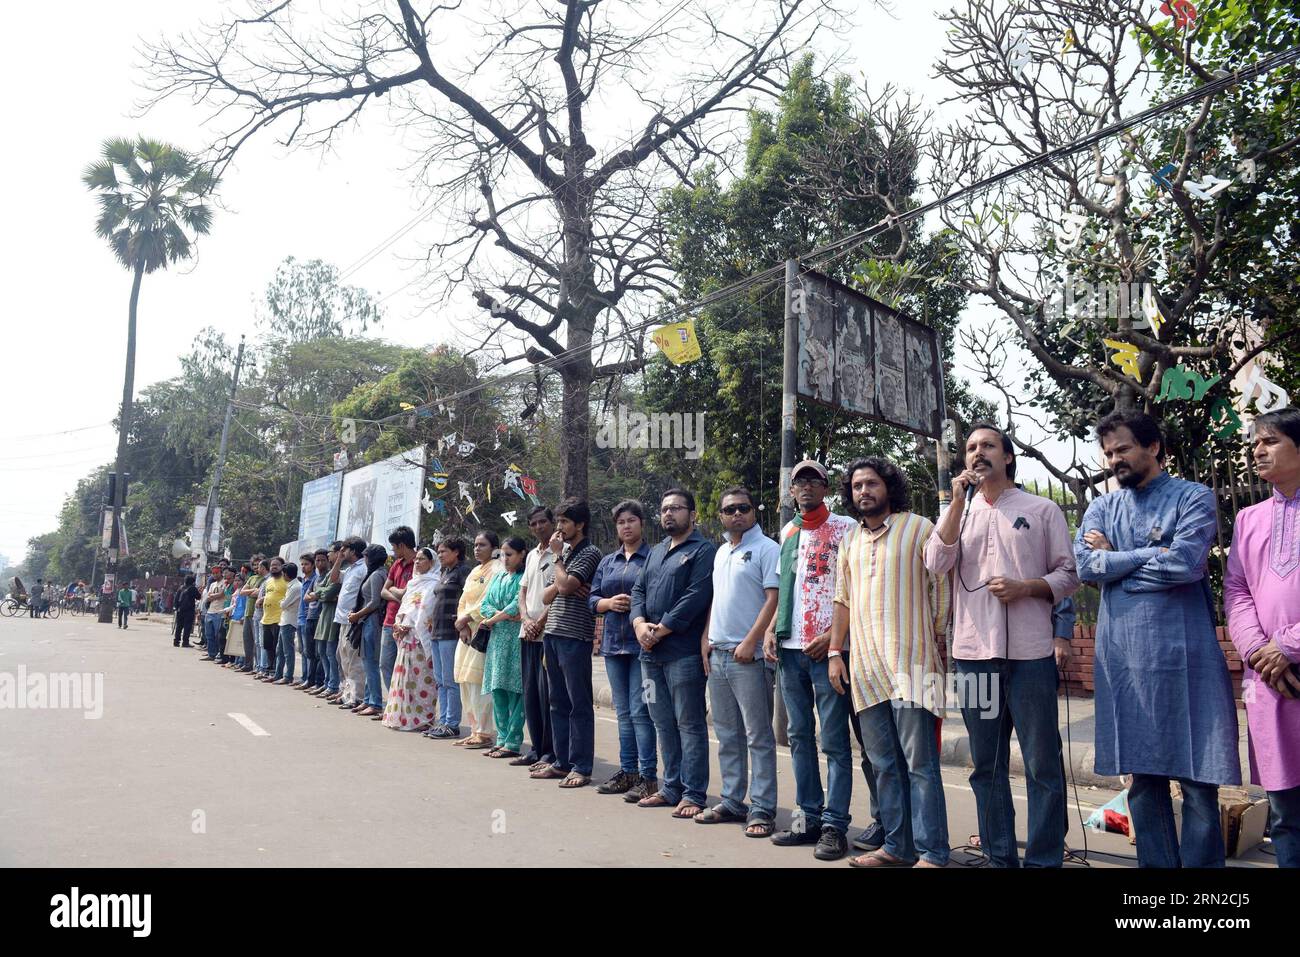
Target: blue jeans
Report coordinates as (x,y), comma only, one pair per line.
(1153,819)
(676,700)
(444,670)
(284,659)
(805,682)
(1284,826)
(308,640)
(636,732)
(370,660)
(573,722)
(212,636)
(320,677)
(332,676)
(910,791)
(1024,700)
(740,696)
(387,657)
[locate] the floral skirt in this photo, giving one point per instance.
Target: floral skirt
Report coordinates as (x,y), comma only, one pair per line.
(412,697)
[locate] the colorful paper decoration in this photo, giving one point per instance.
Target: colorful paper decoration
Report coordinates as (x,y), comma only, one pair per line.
(1161,176)
(427,504)
(677,342)
(529,485)
(1208,187)
(1067,42)
(440,506)
(509,517)
(1222,410)
(1126,356)
(464,492)
(1019,57)
(1183,12)
(1247,170)
(1179,382)
(340,460)
(406,406)
(466,449)
(1270,397)
(1151,313)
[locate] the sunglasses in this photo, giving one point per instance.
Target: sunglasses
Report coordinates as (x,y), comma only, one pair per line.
(733,509)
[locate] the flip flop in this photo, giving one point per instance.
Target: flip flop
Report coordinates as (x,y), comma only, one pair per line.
(503,753)
(677,813)
(548,773)
(655,800)
(575,780)
(877,858)
(718,815)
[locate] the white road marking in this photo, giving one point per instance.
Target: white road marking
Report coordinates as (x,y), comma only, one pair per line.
(249,725)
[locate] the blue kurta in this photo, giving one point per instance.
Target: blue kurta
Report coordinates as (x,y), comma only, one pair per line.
(1163,695)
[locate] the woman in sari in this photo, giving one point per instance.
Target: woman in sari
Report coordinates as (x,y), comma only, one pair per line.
(475,705)
(502,672)
(412,695)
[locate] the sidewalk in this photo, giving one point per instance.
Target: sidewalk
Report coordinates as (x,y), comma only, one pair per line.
(1077,736)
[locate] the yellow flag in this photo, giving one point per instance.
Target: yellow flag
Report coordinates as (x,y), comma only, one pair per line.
(677,341)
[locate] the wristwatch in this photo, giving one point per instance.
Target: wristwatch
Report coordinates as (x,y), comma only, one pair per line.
(834,653)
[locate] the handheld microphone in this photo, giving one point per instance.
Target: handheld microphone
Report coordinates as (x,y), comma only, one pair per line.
(970,489)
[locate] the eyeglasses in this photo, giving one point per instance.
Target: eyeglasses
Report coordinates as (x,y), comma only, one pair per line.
(673,508)
(805,482)
(733,509)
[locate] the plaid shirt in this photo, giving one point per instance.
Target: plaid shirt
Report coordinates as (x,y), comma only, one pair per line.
(446,596)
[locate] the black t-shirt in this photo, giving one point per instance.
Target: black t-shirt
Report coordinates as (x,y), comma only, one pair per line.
(571,615)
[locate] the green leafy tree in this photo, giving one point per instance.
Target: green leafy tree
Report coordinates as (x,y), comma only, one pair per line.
(306,300)
(153,203)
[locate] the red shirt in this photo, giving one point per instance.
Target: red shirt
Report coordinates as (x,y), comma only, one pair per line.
(399,573)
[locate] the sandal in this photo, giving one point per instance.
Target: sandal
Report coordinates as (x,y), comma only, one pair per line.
(684,812)
(654,800)
(877,858)
(548,773)
(765,828)
(575,780)
(719,814)
(539,765)
(503,753)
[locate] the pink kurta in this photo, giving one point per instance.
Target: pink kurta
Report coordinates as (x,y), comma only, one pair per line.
(1261,594)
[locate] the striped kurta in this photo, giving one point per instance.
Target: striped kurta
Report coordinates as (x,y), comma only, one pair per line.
(896,609)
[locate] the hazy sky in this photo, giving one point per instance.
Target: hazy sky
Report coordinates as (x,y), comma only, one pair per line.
(66,297)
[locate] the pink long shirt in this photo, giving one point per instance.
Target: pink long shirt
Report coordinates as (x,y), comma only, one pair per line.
(1020,536)
(1261,594)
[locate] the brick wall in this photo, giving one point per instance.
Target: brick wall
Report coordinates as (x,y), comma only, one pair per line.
(1078,673)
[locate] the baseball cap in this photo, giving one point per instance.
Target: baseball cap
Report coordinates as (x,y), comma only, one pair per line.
(810,464)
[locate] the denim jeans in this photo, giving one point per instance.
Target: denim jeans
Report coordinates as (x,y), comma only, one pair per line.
(637,753)
(332,675)
(1284,826)
(284,659)
(1024,700)
(676,702)
(573,722)
(250,643)
(320,677)
(387,657)
(307,638)
(1153,819)
(370,660)
(740,697)
(912,808)
(444,670)
(212,637)
(270,647)
(805,683)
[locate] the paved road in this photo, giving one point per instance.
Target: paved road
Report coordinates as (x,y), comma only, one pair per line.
(321,786)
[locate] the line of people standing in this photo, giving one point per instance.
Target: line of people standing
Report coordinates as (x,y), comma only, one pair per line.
(851,615)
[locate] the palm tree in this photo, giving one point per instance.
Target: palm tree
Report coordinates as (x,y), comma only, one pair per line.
(151,206)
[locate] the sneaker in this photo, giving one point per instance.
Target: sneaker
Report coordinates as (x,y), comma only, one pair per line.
(810,834)
(832,845)
(643,788)
(871,839)
(443,732)
(619,783)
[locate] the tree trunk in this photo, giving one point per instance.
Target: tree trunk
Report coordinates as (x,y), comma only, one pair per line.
(575,425)
(123,430)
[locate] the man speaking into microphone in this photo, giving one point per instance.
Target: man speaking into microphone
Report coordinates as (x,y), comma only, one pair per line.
(1012,560)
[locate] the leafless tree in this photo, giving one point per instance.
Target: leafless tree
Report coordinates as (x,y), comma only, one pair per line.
(553,132)
(1038,75)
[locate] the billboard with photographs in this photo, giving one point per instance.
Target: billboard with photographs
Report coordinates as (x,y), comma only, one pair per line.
(378,498)
(318,516)
(861,356)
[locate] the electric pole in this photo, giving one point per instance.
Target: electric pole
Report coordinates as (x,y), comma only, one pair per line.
(210,513)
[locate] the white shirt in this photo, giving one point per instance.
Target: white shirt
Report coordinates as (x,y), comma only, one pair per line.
(539,572)
(351,579)
(815,590)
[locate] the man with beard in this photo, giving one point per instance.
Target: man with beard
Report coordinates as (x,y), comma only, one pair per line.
(890,610)
(1164,706)
(1011,554)
(670,608)
(1261,592)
